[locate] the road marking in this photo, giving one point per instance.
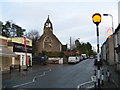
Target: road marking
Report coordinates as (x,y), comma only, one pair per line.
(33,80)
(79,86)
(22,84)
(93,78)
(115,83)
(91,86)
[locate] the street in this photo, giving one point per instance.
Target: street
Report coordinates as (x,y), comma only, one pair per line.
(51,76)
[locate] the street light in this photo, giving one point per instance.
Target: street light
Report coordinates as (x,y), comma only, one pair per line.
(96,20)
(112,31)
(112,20)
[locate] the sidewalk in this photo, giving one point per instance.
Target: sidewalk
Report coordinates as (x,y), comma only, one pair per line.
(114,82)
(115,76)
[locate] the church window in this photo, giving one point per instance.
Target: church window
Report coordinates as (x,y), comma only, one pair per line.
(47,42)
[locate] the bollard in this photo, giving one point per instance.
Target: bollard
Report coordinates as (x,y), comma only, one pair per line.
(102,78)
(95,82)
(108,75)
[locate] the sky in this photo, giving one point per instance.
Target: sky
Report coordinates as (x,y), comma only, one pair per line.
(70,18)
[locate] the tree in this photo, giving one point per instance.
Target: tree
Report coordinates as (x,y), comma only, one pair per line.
(6,29)
(12,30)
(34,36)
(77,43)
(85,48)
(19,31)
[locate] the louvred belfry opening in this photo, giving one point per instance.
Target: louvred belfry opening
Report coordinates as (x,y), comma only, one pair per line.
(48,25)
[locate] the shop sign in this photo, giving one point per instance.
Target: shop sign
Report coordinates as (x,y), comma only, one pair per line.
(20,48)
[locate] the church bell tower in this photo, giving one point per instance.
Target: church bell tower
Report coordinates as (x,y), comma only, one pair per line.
(48,26)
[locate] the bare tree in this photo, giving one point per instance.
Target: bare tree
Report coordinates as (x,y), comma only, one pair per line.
(34,36)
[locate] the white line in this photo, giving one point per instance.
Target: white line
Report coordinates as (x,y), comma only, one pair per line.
(22,84)
(83,84)
(34,78)
(115,83)
(91,86)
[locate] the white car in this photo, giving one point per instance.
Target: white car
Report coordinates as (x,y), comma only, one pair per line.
(73,59)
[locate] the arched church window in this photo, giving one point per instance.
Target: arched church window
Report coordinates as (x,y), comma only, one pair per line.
(47,42)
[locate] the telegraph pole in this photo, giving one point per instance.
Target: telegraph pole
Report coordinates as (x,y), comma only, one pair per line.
(70,43)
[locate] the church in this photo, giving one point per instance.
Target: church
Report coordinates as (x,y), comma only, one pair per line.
(48,41)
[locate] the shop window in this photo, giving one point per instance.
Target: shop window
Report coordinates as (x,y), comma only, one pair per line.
(27,42)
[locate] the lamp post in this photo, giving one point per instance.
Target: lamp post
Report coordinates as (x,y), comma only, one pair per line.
(112,20)
(112,33)
(96,20)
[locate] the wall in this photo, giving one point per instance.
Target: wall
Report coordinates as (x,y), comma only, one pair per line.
(3,40)
(111,51)
(103,52)
(6,62)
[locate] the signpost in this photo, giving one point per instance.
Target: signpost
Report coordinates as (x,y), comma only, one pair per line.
(96,20)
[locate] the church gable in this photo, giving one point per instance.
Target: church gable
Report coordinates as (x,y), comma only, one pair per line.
(48,41)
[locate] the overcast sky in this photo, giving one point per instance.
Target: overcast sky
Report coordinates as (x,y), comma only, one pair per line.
(69,18)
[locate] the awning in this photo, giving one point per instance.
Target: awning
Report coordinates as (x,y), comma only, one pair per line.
(4,51)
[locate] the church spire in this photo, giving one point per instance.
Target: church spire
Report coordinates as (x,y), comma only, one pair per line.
(48,25)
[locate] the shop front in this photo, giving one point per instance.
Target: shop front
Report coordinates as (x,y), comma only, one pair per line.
(24,57)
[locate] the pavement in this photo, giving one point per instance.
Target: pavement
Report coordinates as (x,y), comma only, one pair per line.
(114,82)
(114,75)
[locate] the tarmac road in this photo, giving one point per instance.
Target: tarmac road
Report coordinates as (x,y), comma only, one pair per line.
(52,76)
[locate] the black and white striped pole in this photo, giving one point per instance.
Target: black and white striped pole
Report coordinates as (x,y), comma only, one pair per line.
(95,82)
(102,78)
(96,20)
(108,75)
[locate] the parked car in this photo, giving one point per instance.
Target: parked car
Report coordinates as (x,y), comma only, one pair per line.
(73,59)
(78,59)
(91,57)
(84,56)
